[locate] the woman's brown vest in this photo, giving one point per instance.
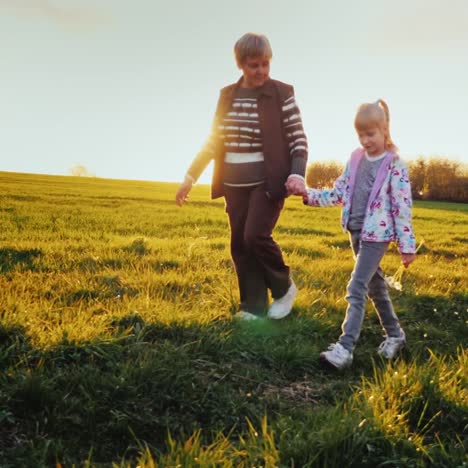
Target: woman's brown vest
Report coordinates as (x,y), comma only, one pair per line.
(275,145)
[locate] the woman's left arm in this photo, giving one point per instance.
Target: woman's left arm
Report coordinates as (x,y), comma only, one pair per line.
(401,206)
(298,148)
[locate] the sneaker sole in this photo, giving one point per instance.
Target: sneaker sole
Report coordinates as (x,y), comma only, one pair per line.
(244,318)
(394,356)
(330,364)
(278,317)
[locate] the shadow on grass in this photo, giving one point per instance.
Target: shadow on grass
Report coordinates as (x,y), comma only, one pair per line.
(341,244)
(11,259)
(113,395)
(301,231)
(147,380)
(434,322)
(431,322)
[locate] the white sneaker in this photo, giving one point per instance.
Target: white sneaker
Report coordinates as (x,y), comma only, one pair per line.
(243,315)
(337,356)
(390,347)
(282,306)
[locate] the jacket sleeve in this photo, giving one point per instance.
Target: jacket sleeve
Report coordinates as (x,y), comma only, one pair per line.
(333,197)
(208,150)
(401,206)
(295,135)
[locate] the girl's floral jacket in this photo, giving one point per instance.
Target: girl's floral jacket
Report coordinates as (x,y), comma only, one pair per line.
(388,212)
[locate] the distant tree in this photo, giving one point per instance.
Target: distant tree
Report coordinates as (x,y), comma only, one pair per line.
(80,171)
(322,175)
(417,173)
(434,178)
(439,179)
(460,189)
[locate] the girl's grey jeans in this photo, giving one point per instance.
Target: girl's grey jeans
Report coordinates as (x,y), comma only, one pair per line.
(367,279)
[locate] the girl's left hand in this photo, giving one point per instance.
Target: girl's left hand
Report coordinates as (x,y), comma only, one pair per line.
(408,258)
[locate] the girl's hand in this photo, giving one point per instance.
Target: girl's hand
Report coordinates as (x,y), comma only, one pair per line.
(407,258)
(183,191)
(295,186)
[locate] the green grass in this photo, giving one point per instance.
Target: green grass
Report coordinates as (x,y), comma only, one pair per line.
(118,348)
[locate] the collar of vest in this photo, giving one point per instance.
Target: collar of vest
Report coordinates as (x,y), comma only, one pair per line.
(268,88)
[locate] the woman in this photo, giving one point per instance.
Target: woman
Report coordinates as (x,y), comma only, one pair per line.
(260,152)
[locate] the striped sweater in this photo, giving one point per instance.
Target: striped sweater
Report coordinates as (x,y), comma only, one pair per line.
(241,134)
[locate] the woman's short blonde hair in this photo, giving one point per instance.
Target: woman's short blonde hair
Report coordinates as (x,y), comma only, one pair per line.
(252,45)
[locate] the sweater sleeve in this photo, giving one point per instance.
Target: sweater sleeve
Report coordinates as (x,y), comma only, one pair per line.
(295,135)
(208,150)
(401,207)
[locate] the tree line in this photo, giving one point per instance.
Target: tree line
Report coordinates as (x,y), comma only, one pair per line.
(433,178)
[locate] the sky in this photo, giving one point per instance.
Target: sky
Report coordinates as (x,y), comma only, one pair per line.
(128,89)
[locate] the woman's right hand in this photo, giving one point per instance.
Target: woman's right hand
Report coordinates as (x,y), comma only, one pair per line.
(183,191)
(295,186)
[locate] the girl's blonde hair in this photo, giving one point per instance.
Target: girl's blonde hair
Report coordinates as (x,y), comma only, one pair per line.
(375,114)
(252,45)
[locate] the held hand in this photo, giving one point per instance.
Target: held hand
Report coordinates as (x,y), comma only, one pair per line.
(182,192)
(295,186)
(407,258)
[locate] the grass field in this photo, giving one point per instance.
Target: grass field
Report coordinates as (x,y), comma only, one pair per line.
(118,348)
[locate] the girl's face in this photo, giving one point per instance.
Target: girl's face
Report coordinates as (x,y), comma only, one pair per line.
(372,139)
(256,71)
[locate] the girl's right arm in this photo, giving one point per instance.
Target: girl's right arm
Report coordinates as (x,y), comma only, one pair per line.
(332,197)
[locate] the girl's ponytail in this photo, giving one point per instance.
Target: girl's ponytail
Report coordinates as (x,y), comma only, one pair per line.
(388,139)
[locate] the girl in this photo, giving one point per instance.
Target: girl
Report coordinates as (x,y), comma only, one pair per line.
(375,192)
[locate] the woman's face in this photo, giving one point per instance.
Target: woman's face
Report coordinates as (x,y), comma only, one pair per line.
(256,71)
